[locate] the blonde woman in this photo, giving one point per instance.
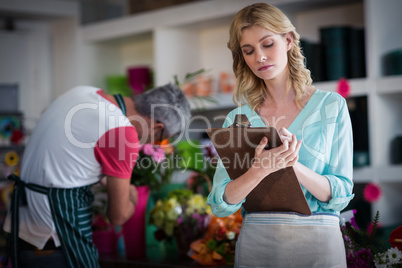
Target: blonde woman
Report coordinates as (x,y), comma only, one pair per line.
(274,89)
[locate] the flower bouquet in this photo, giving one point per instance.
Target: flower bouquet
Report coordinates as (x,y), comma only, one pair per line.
(183,215)
(217,247)
(390,258)
(362,248)
(148,169)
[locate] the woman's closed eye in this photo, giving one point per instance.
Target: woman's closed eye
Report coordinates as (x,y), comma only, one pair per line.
(268,45)
(251,51)
(248,52)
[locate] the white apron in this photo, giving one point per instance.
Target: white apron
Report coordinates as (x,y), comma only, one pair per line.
(275,239)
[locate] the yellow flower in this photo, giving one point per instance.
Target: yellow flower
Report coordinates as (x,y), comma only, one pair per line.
(169,228)
(172,215)
(159,218)
(171,204)
(11,158)
(196,203)
(208,210)
(158,204)
(171,209)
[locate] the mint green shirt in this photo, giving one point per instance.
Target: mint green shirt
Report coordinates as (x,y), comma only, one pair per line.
(325,129)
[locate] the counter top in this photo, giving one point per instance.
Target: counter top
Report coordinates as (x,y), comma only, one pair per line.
(114,261)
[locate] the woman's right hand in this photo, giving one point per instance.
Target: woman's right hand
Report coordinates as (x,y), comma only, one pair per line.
(270,161)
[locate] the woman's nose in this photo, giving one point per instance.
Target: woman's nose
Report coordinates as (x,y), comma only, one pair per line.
(262,59)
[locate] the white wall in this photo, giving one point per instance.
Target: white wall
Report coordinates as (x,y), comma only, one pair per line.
(26,61)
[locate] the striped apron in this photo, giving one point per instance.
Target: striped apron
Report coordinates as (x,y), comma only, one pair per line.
(72,215)
(276,239)
(71,210)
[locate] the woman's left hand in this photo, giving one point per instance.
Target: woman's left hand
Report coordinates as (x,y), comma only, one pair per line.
(286,135)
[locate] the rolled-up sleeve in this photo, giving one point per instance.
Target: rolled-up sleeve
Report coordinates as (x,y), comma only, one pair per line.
(340,167)
(215,200)
(219,207)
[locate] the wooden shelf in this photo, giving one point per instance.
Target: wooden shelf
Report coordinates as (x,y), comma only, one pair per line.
(385,174)
(359,86)
(362,174)
(208,13)
(220,101)
(389,85)
(182,15)
(40,8)
(388,173)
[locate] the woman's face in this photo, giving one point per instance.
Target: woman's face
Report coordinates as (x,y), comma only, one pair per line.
(265,52)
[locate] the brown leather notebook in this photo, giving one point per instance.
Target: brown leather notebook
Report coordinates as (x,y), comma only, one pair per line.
(279,191)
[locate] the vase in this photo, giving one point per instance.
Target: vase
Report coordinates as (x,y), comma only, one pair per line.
(106,241)
(134,228)
(165,249)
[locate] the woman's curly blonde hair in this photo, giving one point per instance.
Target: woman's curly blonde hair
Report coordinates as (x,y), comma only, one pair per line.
(249,88)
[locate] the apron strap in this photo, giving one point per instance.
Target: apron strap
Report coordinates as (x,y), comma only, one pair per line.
(121,103)
(18,197)
(71,203)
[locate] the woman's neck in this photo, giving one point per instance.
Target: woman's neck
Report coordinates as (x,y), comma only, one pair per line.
(278,92)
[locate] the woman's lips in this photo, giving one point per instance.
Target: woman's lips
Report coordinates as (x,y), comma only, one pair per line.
(265,67)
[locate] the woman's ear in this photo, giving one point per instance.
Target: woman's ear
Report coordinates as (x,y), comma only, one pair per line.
(289,41)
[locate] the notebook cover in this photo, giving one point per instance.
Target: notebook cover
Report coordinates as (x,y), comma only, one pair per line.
(279,191)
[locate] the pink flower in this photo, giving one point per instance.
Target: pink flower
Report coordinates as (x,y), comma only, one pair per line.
(158,156)
(353,223)
(160,150)
(359,258)
(179,221)
(343,88)
(148,149)
(372,192)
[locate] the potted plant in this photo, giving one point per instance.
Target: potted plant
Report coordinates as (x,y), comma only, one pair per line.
(183,216)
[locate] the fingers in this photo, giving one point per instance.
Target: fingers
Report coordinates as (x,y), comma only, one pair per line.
(293,143)
(288,153)
(294,156)
(280,157)
(260,148)
(285,138)
(285,134)
(281,149)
